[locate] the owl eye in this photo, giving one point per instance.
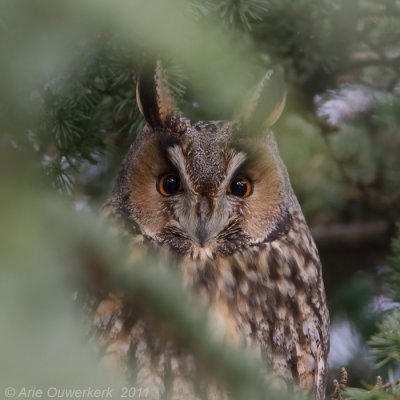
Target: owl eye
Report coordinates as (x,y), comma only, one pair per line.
(241,186)
(169,184)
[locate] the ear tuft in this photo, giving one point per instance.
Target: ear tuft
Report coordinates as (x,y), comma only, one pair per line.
(264,107)
(154,97)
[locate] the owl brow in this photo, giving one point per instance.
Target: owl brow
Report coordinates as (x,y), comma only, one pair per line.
(234,164)
(254,153)
(165,143)
(177,159)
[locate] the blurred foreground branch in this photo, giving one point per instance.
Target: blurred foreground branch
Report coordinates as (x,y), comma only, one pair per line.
(157,289)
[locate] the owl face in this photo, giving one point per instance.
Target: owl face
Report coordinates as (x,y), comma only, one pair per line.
(200,187)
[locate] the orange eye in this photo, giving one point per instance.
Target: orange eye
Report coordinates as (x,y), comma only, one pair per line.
(169,184)
(241,186)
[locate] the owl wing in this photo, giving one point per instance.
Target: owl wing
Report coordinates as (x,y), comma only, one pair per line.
(294,329)
(312,354)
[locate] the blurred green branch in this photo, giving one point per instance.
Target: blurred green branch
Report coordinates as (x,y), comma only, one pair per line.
(157,288)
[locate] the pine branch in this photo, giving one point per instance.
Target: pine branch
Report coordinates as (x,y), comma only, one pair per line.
(393,275)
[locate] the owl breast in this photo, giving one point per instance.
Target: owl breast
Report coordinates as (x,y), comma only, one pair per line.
(270,299)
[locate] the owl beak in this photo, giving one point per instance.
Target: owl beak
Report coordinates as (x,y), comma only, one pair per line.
(202,233)
(203,211)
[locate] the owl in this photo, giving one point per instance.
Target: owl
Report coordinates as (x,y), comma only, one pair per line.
(215,197)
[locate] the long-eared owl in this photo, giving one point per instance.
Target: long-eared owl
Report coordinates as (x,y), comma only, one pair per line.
(216,197)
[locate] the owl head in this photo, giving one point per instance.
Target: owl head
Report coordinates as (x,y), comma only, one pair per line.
(205,188)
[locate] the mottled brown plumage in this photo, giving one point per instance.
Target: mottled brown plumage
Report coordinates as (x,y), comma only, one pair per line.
(251,259)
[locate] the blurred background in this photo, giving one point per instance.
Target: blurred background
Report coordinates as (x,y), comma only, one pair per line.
(68,115)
